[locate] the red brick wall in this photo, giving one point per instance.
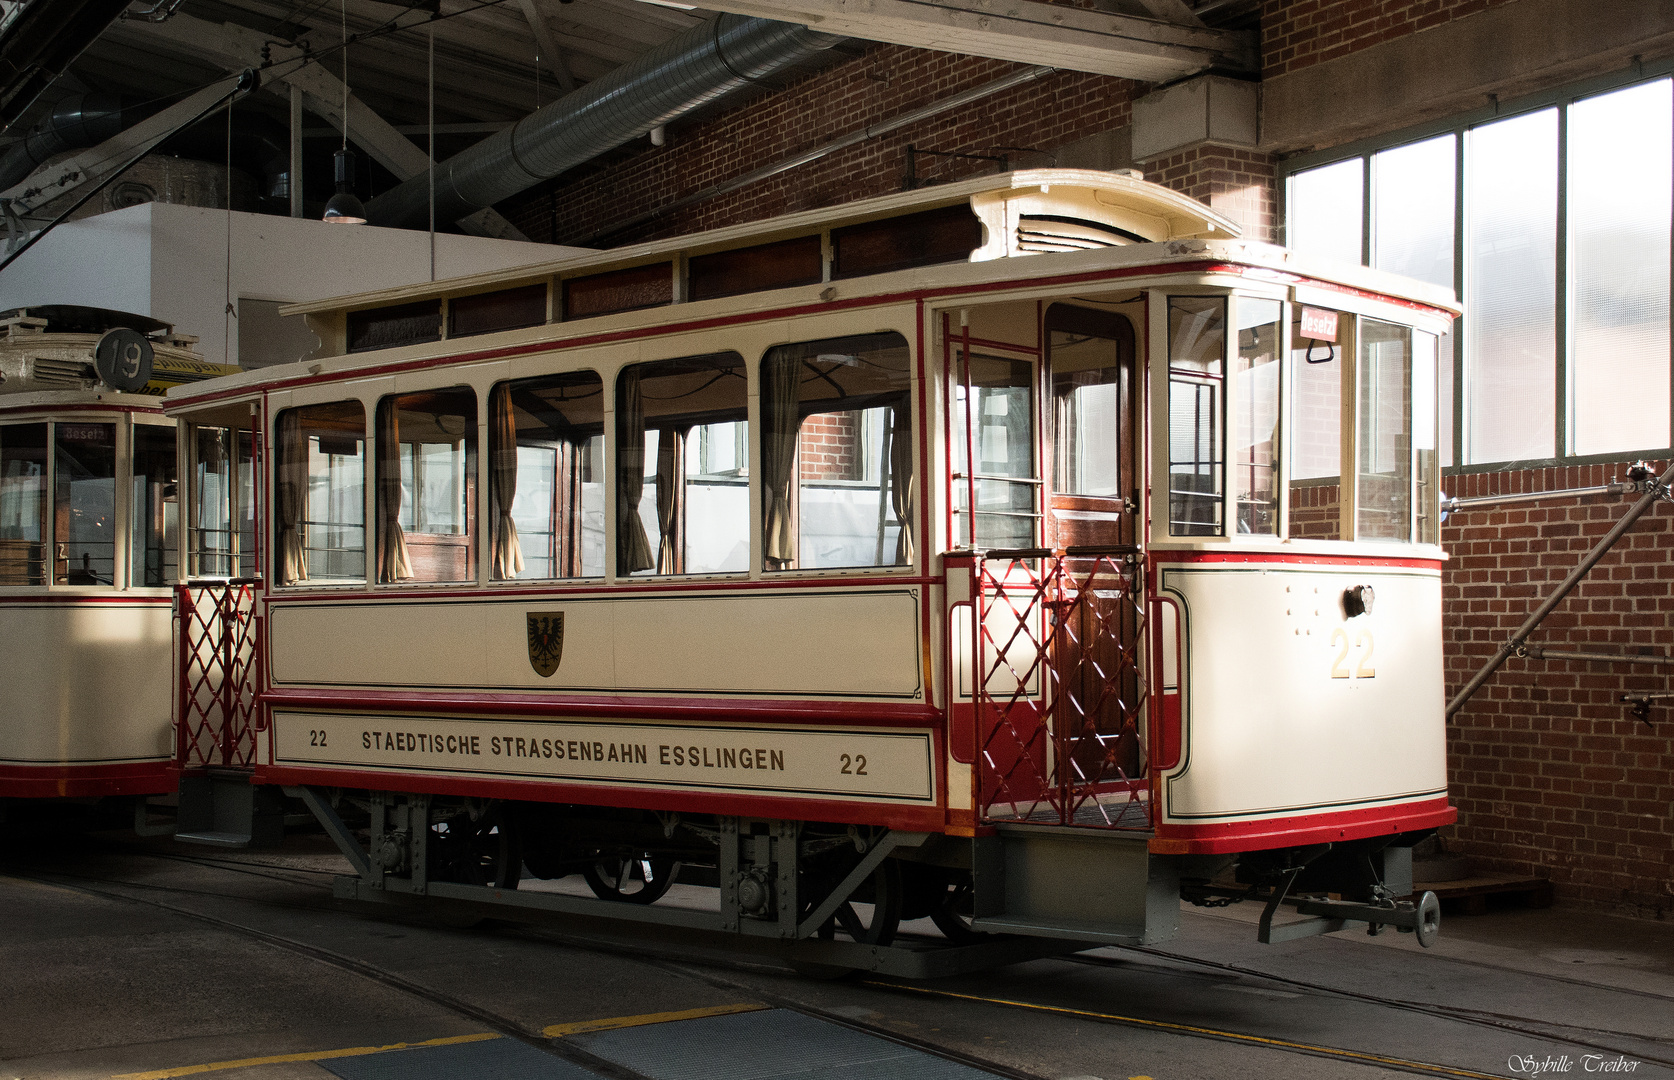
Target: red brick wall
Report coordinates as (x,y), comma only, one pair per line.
(830,446)
(1240,184)
(1297,34)
(886,81)
(1552,775)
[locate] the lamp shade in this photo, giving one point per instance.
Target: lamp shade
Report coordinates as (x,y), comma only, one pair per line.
(344,209)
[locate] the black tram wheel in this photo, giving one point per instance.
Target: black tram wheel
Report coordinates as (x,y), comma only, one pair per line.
(873,914)
(641,879)
(952,915)
(481,851)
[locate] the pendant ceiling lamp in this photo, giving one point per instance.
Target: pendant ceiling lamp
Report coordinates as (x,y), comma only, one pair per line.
(343,208)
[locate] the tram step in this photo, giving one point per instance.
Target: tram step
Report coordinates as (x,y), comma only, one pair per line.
(1075,884)
(229,811)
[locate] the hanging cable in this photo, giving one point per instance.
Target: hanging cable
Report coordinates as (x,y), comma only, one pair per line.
(230,314)
(430,114)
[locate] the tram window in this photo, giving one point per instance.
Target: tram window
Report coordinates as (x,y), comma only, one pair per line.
(546,477)
(488,313)
(1005,479)
(1255,377)
(1316,443)
(1196,437)
(837,419)
(221,534)
(319,500)
(394,326)
(23,477)
(779,265)
(1383,496)
(84,504)
(155,506)
(682,460)
(1426,461)
(619,290)
(927,238)
(1086,380)
(426,471)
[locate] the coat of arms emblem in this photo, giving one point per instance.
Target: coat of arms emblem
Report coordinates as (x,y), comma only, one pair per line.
(546,642)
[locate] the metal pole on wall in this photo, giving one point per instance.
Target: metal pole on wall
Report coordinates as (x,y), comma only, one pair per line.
(296,150)
(1653,493)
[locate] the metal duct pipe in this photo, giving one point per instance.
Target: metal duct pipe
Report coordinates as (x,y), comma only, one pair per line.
(76,121)
(685,72)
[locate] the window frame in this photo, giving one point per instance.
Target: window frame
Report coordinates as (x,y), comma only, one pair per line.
(1458,125)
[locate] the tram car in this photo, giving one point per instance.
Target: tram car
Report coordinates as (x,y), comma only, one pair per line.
(88,541)
(1025,553)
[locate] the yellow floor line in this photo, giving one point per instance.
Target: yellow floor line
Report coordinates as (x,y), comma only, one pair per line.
(558,1031)
(1164,1025)
(318,1055)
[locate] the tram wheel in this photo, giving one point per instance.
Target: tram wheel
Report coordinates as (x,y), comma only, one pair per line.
(641,879)
(485,851)
(883,893)
(953,915)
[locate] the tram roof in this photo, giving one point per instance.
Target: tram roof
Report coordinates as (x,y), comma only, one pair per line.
(1148,212)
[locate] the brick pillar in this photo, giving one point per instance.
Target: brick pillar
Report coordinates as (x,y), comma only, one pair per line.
(1238,184)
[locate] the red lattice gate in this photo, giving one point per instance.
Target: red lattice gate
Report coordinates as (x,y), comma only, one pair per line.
(1060,689)
(218,673)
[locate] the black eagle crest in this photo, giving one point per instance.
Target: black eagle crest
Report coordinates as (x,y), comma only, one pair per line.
(546,642)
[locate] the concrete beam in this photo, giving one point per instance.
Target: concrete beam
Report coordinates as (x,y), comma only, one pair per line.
(1026,31)
(1499,53)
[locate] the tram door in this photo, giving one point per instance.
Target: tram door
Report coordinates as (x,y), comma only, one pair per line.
(1092,511)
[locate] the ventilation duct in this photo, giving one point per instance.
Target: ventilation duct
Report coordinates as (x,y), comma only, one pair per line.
(688,71)
(76,121)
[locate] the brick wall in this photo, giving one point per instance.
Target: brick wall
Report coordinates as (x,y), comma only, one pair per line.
(1240,184)
(830,446)
(1297,34)
(1552,775)
(884,82)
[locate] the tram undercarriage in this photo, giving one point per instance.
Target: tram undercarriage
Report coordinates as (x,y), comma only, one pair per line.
(830,899)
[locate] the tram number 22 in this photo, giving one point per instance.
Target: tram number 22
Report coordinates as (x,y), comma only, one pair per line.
(854,764)
(1363,668)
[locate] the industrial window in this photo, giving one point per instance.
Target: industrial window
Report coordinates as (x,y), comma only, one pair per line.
(683,466)
(319,512)
(1562,265)
(426,481)
(546,477)
(1196,403)
(837,453)
(23,482)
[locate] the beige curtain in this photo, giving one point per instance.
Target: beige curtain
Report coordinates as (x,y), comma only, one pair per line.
(901,477)
(633,547)
(507,551)
(671,500)
(567,527)
(393,563)
(780,386)
(290,498)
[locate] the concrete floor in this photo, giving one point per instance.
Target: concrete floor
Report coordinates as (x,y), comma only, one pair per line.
(131,958)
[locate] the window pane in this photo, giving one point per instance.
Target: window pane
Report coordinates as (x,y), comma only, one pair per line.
(1196,355)
(674,420)
(1425,425)
(1087,441)
(1412,210)
(84,504)
(1255,374)
(221,535)
(1003,412)
(1383,504)
(23,476)
(1316,444)
(155,507)
(1324,215)
(837,417)
(427,471)
(546,459)
(1619,186)
(320,509)
(1510,284)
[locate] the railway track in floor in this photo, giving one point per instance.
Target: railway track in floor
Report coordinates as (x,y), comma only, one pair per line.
(711,971)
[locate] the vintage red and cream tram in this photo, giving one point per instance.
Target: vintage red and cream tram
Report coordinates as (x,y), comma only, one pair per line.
(87,555)
(1026,552)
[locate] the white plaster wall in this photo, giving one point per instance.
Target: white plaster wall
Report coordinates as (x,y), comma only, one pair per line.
(171,262)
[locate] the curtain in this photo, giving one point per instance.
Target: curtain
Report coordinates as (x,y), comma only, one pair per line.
(901,477)
(633,547)
(671,500)
(290,498)
(507,550)
(393,564)
(566,522)
(781,420)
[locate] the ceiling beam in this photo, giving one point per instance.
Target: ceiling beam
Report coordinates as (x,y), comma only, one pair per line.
(1026,31)
(234,45)
(550,52)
